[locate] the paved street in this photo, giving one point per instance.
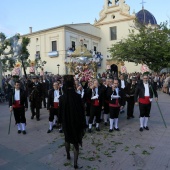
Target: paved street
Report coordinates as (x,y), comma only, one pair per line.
(128,149)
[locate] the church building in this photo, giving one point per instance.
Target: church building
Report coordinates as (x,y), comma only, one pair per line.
(113,25)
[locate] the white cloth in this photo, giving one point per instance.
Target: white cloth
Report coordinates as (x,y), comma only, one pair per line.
(87,120)
(95,97)
(122,84)
(117,94)
(19,126)
(50,125)
(82,93)
(17,94)
(114,97)
(116,122)
(55,119)
(141,122)
(145,121)
(146,89)
(111,123)
(56,96)
(105,117)
(97,125)
(23,126)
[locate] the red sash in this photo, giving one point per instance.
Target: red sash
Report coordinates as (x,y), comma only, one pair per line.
(56,105)
(95,102)
(144,100)
(17,104)
(115,104)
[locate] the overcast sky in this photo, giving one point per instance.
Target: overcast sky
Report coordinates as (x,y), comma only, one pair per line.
(17,16)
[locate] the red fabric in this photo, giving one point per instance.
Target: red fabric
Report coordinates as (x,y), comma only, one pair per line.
(17,104)
(144,100)
(95,102)
(114,105)
(55,105)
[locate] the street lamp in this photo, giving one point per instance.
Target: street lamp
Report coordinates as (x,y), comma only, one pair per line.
(58,65)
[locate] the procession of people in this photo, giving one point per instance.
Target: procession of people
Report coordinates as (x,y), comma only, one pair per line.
(76,107)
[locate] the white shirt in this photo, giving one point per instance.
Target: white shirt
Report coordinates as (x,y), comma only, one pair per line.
(146,89)
(56,96)
(117,91)
(122,84)
(17,94)
(95,96)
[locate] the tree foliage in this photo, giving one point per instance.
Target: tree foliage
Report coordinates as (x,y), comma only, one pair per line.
(150,46)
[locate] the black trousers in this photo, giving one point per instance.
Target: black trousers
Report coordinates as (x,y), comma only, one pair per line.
(44,101)
(95,111)
(88,109)
(123,97)
(130,106)
(144,109)
(114,112)
(53,111)
(35,109)
(19,115)
(106,108)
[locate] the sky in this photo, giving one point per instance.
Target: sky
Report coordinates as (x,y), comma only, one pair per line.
(17,16)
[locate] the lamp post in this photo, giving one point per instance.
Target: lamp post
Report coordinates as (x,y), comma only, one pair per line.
(58,65)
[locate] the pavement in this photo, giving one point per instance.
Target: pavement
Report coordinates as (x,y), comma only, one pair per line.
(128,149)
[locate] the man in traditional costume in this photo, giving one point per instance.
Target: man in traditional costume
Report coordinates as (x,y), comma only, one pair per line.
(130,91)
(35,97)
(145,91)
(115,104)
(97,103)
(53,105)
(18,104)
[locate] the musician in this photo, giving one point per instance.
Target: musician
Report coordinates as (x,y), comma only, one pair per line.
(97,103)
(53,105)
(145,91)
(130,91)
(18,104)
(35,97)
(115,96)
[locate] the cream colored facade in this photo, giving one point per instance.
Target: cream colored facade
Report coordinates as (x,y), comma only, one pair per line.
(98,35)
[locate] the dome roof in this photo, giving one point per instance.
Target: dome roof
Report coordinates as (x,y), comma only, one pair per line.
(145,17)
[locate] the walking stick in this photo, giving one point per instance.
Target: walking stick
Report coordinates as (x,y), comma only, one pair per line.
(159,109)
(10,123)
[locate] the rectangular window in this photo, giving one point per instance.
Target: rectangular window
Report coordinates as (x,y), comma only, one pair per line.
(95,49)
(54,45)
(73,45)
(113,33)
(37,55)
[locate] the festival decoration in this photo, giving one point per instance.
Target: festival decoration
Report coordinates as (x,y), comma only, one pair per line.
(144,68)
(32,67)
(83,63)
(42,71)
(123,69)
(16,72)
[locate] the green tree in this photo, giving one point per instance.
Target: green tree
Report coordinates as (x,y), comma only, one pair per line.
(145,45)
